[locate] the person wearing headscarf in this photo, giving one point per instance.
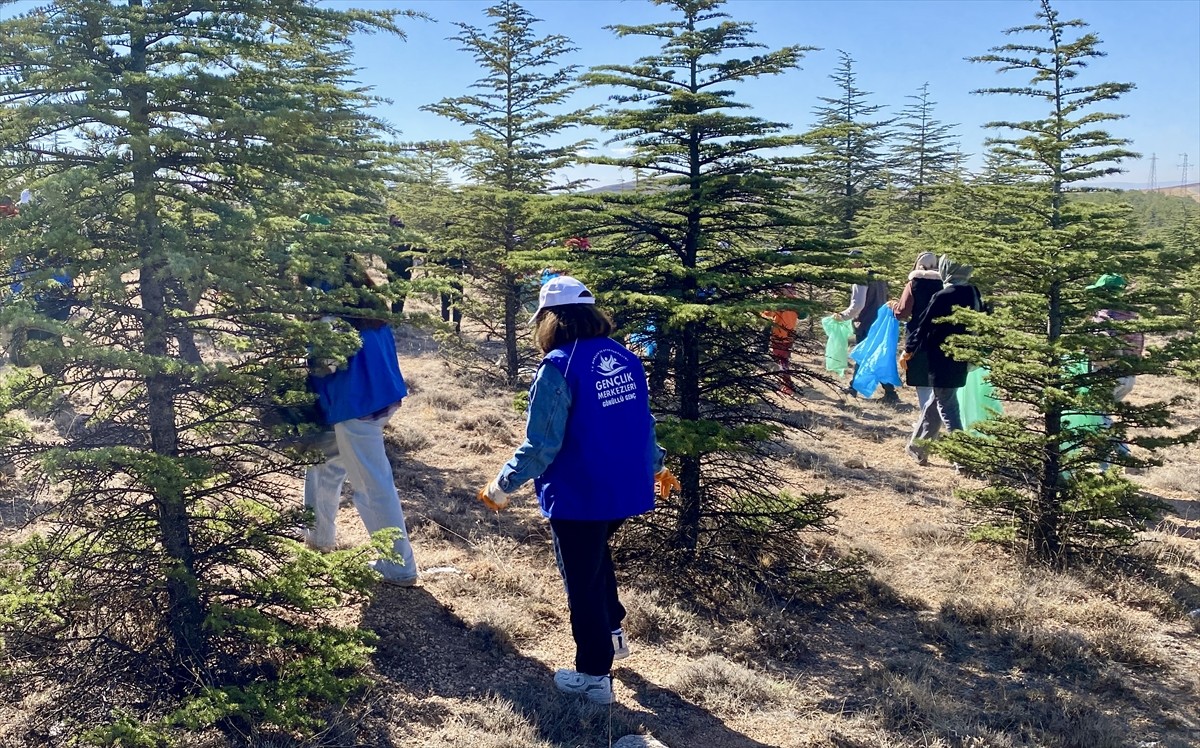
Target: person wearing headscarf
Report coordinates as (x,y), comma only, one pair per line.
(946,374)
(923,282)
(866,299)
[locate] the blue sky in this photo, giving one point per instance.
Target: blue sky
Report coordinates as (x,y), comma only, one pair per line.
(897,44)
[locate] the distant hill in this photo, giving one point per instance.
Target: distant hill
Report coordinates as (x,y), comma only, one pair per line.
(1183,190)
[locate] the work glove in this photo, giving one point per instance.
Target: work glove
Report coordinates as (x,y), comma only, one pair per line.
(838,316)
(493,497)
(904,359)
(665,483)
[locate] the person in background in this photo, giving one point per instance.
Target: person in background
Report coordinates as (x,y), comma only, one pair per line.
(947,375)
(405,257)
(865,301)
(923,282)
(1133,344)
(355,402)
(591,451)
(783,335)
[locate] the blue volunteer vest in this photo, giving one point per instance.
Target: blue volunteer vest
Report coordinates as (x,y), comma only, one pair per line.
(603,471)
(370,382)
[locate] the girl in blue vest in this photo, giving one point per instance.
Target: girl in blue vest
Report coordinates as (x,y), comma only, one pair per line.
(591,452)
(355,402)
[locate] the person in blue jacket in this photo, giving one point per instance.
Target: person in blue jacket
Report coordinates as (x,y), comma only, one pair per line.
(355,402)
(591,451)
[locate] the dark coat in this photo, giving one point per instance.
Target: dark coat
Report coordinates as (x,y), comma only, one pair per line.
(930,332)
(922,291)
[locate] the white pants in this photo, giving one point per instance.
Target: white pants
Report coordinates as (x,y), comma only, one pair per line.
(355,450)
(1123,387)
(924,395)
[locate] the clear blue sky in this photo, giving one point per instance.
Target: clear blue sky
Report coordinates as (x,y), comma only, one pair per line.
(898,45)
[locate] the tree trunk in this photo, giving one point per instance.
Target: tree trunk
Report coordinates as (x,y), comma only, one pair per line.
(512,307)
(185,611)
(1045,535)
(687,384)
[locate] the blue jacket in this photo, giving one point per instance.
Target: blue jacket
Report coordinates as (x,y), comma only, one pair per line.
(370,382)
(590,437)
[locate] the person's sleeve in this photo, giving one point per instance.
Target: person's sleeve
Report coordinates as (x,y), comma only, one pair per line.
(658,455)
(549,405)
(858,300)
(904,308)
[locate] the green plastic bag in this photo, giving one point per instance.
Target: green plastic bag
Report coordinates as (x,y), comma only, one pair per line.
(1085,421)
(975,400)
(838,344)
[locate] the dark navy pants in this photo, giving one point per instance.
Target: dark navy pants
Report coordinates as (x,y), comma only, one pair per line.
(584,559)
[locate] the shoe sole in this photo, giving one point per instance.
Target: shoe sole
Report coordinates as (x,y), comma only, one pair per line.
(601,699)
(399,582)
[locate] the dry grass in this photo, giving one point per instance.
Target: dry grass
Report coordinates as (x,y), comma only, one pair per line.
(949,644)
(490,722)
(728,688)
(953,644)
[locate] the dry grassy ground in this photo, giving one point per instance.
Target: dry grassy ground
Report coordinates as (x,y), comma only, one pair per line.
(951,643)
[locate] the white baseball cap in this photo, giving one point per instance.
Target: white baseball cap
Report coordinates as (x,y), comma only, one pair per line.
(561,291)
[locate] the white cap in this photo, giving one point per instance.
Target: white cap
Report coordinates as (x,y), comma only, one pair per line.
(561,291)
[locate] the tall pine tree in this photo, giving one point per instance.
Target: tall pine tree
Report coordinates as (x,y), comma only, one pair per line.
(848,151)
(926,158)
(689,262)
(1052,353)
(170,147)
(511,160)
(926,153)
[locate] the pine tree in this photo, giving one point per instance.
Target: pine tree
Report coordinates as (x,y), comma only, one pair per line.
(926,158)
(689,262)
(510,162)
(170,148)
(848,151)
(926,151)
(424,203)
(1049,352)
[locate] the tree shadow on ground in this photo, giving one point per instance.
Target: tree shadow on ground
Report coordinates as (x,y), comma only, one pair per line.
(974,674)
(440,503)
(18,507)
(428,652)
(1183,510)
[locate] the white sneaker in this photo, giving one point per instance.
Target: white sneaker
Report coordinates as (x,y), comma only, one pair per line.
(595,688)
(620,645)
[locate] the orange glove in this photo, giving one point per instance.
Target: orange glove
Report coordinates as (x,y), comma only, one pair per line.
(665,483)
(904,359)
(492,497)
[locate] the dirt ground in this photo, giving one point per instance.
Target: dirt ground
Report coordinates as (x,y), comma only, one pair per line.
(954,644)
(951,643)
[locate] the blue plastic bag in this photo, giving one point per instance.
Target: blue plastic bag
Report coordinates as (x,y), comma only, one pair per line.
(643,342)
(975,400)
(876,356)
(838,344)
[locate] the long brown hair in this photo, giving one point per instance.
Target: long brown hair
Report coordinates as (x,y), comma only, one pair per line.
(558,326)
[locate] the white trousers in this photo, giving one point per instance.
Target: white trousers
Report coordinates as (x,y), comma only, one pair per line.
(355,451)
